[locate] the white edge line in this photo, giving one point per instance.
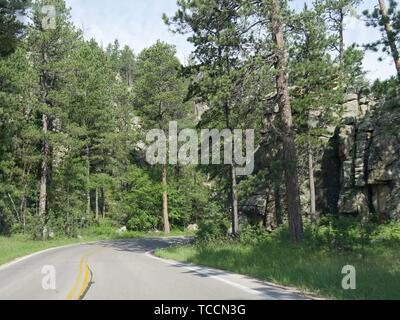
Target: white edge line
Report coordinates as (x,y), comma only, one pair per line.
(202,270)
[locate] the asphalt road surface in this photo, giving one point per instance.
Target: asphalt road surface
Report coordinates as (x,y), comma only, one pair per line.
(125,270)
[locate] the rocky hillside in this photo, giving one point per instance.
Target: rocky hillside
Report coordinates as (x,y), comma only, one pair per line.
(361,170)
(357,173)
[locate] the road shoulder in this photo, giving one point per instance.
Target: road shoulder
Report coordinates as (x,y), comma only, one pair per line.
(263,289)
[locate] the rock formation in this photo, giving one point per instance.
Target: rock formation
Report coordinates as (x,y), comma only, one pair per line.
(357,173)
(368,149)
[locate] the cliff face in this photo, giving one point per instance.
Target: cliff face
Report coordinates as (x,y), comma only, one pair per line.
(361,171)
(358,173)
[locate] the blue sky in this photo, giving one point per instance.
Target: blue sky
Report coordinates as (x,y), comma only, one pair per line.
(138,23)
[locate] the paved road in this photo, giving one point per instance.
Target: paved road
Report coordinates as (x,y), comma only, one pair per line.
(124,270)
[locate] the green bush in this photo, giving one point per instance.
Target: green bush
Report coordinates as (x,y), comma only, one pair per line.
(143,221)
(342,233)
(251,235)
(105,227)
(337,232)
(387,233)
(140,204)
(214,226)
(211,231)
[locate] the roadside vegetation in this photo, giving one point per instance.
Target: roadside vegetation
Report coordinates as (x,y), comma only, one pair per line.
(314,266)
(20,245)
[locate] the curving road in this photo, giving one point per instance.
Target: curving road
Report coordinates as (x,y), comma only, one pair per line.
(125,270)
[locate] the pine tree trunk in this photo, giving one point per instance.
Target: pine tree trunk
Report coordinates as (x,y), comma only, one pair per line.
(69,227)
(341,37)
(88,203)
(313,208)
(290,156)
(97,204)
(43,176)
(167,228)
(390,36)
(103,211)
(23,210)
(278,206)
(235,208)
(23,197)
(233,176)
(267,223)
(88,208)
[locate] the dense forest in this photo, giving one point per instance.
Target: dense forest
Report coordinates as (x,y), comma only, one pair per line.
(74,117)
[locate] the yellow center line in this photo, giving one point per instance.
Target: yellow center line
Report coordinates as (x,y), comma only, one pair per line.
(84,271)
(86,281)
(77,281)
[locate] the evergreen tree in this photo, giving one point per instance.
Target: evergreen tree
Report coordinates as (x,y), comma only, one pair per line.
(218,77)
(93,112)
(387,19)
(336,12)
(159,96)
(289,147)
(49,47)
(231,29)
(316,92)
(127,62)
(18,138)
(11,27)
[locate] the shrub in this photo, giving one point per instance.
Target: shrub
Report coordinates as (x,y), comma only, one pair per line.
(214,226)
(141,200)
(252,235)
(143,221)
(341,232)
(387,233)
(211,230)
(337,232)
(105,227)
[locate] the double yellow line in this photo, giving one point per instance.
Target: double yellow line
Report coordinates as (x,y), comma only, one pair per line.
(82,281)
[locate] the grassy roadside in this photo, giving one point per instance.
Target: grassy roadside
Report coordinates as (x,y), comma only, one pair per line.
(307,268)
(18,246)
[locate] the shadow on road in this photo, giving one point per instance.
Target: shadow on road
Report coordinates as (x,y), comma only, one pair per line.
(144,245)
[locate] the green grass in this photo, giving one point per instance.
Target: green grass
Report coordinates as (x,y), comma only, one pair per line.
(18,246)
(314,270)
